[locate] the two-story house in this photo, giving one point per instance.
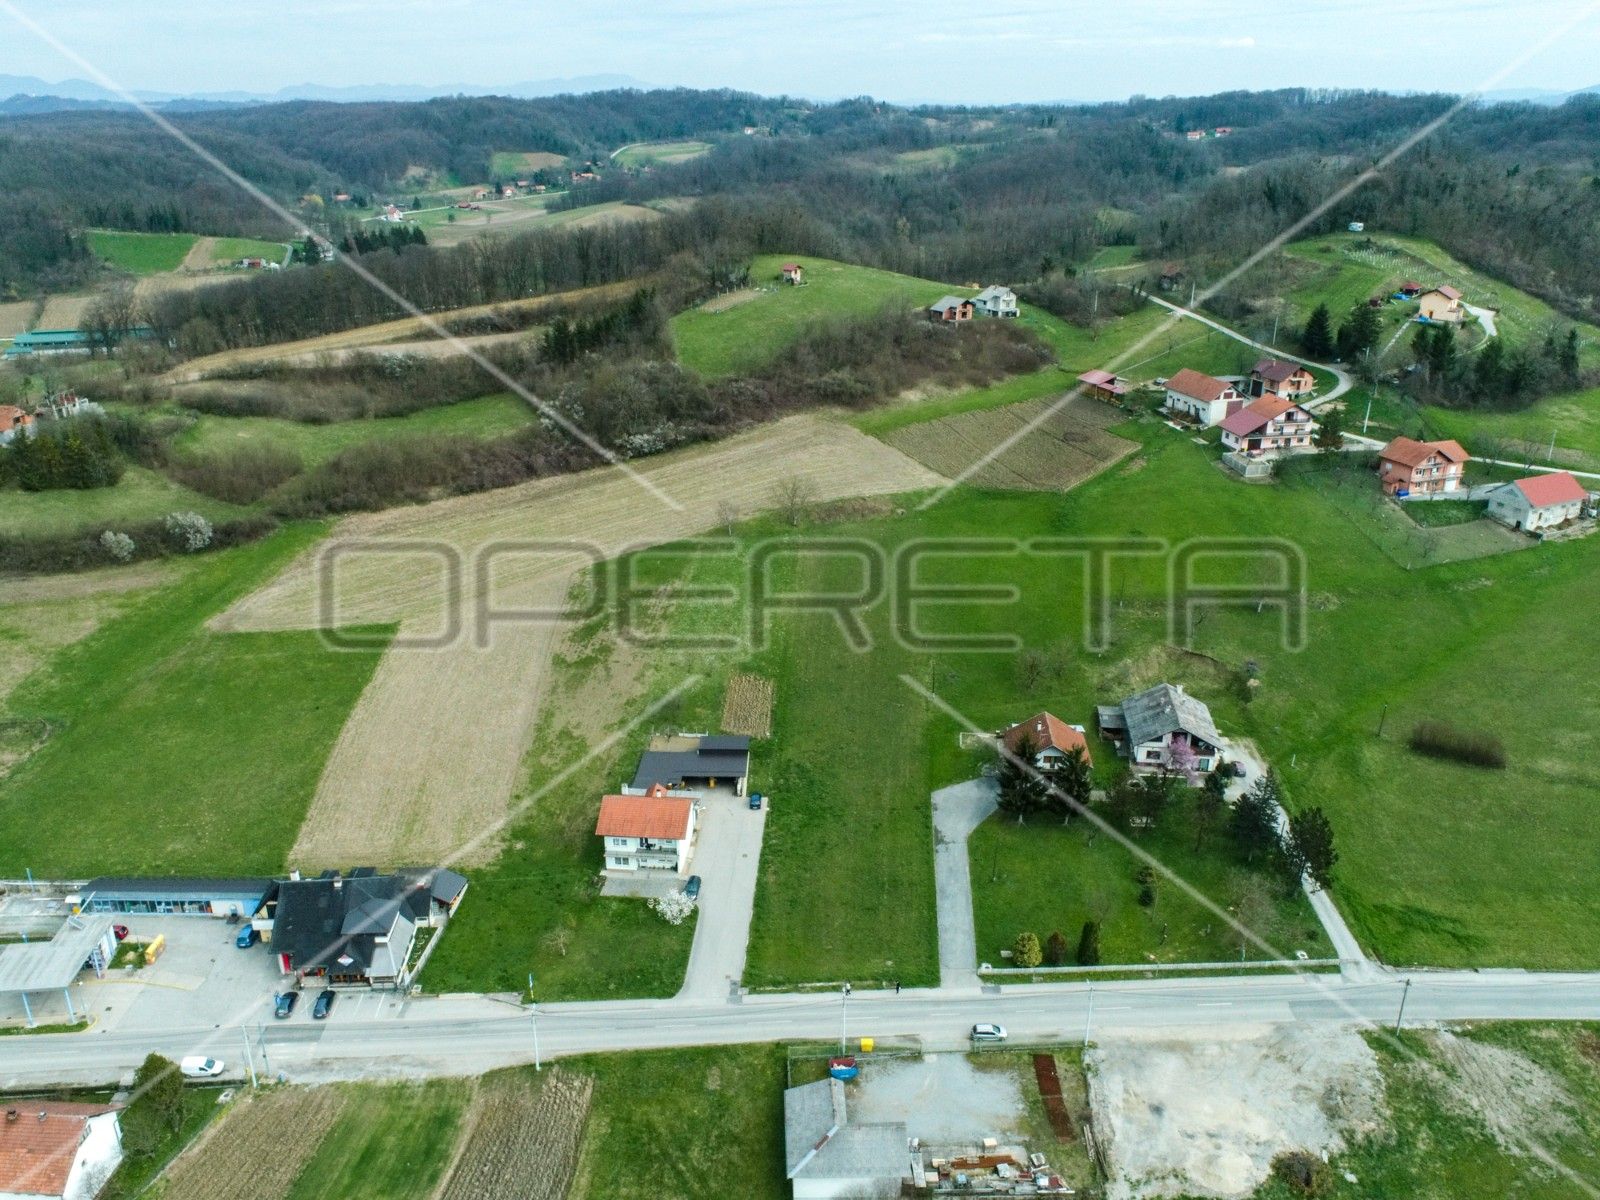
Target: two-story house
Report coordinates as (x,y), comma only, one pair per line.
(1149,728)
(1407,467)
(995,301)
(652,832)
(1052,739)
(1202,398)
(1270,425)
(1279,378)
(1442,304)
(950,308)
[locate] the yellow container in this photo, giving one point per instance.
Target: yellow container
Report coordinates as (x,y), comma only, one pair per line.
(154,949)
(866,1045)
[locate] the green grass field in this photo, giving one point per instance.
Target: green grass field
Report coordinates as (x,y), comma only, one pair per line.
(393,1142)
(514,164)
(226,250)
(178,749)
(649,154)
(141,495)
(141,253)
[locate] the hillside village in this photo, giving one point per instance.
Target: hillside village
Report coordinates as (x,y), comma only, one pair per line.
(544,682)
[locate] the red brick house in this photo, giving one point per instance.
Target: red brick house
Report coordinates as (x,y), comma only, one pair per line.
(1409,467)
(1281,379)
(950,308)
(1268,425)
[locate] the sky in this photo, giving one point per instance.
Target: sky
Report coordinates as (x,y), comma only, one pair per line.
(898,50)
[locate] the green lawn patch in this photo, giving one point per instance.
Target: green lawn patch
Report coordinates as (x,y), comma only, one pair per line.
(1437,513)
(141,253)
(392,1142)
(140,496)
(178,749)
(1043,877)
(225,250)
(646,154)
(514,164)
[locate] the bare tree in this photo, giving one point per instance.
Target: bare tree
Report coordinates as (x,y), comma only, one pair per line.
(727,514)
(792,496)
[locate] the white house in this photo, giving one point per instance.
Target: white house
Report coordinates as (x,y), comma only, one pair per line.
(53,1150)
(1157,729)
(1539,502)
(829,1157)
(1268,426)
(995,301)
(653,832)
(1203,398)
(1052,740)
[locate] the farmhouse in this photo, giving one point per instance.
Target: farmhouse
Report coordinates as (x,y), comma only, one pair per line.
(1273,375)
(1442,304)
(995,301)
(1052,740)
(693,760)
(652,832)
(1172,274)
(1103,385)
(1162,728)
(826,1156)
(1407,467)
(53,1148)
(1269,425)
(950,308)
(14,422)
(1539,502)
(792,273)
(1202,398)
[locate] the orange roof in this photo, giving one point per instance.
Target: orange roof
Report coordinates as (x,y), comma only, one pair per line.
(37,1149)
(1198,384)
(11,416)
(1409,452)
(653,816)
(1046,731)
(1558,487)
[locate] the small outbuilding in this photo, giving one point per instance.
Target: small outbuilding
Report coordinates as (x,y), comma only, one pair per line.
(1539,502)
(1103,385)
(689,761)
(792,273)
(175,895)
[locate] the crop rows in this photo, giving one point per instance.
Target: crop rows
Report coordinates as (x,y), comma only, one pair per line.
(257,1151)
(747,708)
(525,1139)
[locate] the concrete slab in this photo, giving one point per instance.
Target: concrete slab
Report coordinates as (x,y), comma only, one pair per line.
(727,860)
(957,811)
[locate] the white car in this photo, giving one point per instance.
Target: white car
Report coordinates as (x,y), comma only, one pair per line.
(987,1032)
(198,1066)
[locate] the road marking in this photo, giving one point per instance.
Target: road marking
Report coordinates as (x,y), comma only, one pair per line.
(1214,1004)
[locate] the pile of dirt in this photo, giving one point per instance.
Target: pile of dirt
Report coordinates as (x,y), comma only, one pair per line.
(1519,1102)
(1207,1118)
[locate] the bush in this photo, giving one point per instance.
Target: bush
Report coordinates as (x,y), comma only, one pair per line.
(1025,951)
(1305,1174)
(80,551)
(188,531)
(1089,945)
(237,475)
(1056,950)
(1439,740)
(1147,895)
(118,546)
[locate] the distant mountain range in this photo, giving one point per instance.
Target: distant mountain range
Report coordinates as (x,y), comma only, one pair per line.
(1537,95)
(30,94)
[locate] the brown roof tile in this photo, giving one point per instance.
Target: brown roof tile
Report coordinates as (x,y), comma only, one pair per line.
(39,1146)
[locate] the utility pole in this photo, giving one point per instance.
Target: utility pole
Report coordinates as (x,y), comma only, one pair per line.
(261,1044)
(1551,457)
(1088,1020)
(249,1060)
(1368,417)
(844,1012)
(1402,1013)
(533,1011)
(1382,717)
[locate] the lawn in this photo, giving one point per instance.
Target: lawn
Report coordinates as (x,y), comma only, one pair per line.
(1438,513)
(141,253)
(392,1142)
(225,250)
(513,164)
(179,749)
(648,154)
(140,496)
(719,338)
(488,416)
(1045,877)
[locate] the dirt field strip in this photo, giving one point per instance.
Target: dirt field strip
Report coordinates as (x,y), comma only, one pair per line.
(200,255)
(15,317)
(524,1139)
(63,312)
(256,1151)
(747,708)
(430,756)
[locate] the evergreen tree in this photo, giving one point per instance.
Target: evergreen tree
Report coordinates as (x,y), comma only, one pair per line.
(1025,951)
(1089,945)
(1310,845)
(1330,429)
(1067,790)
(1056,950)
(1489,370)
(1317,337)
(1210,803)
(1254,825)
(1359,333)
(1568,358)
(1021,790)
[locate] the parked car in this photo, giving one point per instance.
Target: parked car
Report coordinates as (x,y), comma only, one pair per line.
(755,801)
(988,1032)
(121,931)
(1236,769)
(691,888)
(248,936)
(198,1066)
(283,1004)
(324,1004)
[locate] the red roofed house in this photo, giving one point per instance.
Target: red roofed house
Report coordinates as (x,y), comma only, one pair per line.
(1103,385)
(1201,397)
(1539,502)
(651,832)
(1409,467)
(1281,378)
(793,273)
(49,1149)
(1442,304)
(13,421)
(1269,424)
(1051,737)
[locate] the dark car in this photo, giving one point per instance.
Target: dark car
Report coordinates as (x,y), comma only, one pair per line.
(755,801)
(121,931)
(691,888)
(324,1004)
(1236,769)
(283,1004)
(248,936)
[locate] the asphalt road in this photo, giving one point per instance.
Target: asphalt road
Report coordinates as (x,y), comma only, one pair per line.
(434,1038)
(1342,376)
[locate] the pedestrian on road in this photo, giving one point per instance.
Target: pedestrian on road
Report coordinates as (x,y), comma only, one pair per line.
(896,987)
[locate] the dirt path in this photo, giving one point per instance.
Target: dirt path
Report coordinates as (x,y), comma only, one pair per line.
(200,255)
(430,757)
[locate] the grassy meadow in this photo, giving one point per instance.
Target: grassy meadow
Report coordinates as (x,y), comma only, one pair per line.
(392,1142)
(225,250)
(141,495)
(141,253)
(650,154)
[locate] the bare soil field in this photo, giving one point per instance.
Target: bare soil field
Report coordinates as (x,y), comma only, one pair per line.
(63,312)
(523,1139)
(428,761)
(16,317)
(401,330)
(747,708)
(200,255)
(1067,447)
(258,1148)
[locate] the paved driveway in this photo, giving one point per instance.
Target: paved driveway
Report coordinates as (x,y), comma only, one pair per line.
(957,811)
(727,858)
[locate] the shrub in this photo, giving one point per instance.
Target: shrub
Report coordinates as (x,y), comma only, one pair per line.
(237,475)
(1147,895)
(118,546)
(1089,944)
(1056,950)
(34,555)
(1305,1174)
(1025,951)
(1439,740)
(673,908)
(188,531)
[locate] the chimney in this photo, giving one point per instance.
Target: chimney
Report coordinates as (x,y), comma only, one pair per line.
(11,1115)
(42,1115)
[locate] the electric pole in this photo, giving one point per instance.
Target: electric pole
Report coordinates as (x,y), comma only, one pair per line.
(844,1012)
(250,1062)
(1402,1014)
(533,1012)
(1088,1020)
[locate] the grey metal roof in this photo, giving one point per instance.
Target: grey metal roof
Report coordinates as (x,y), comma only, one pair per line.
(195,886)
(944,302)
(995,292)
(725,741)
(441,883)
(820,1143)
(669,766)
(45,966)
(1156,712)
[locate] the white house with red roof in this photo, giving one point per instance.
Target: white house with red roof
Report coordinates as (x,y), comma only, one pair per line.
(1052,739)
(1270,425)
(1202,398)
(55,1150)
(1442,304)
(1539,502)
(652,832)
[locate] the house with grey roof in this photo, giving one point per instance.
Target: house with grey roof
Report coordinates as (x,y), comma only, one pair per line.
(995,301)
(950,308)
(1149,727)
(827,1157)
(681,762)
